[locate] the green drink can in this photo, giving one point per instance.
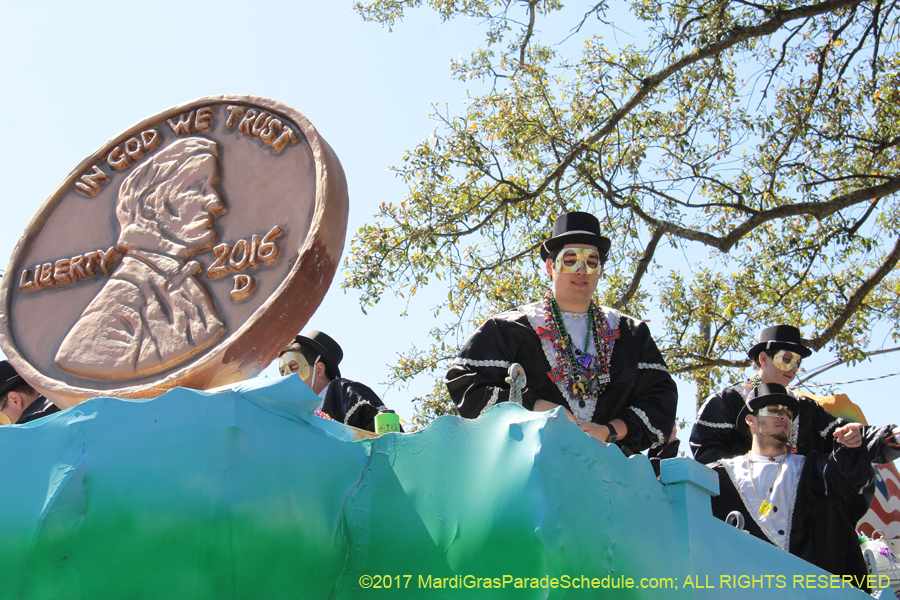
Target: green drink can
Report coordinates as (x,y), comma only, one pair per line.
(386,421)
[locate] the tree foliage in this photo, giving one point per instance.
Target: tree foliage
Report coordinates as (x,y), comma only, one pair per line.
(742,156)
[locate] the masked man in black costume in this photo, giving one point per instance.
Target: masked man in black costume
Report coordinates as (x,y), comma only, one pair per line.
(777,356)
(315,357)
(806,505)
(600,365)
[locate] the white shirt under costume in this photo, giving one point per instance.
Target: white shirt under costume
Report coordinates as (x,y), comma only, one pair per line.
(777,523)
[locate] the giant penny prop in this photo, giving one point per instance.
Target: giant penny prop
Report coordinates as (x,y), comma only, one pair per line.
(185,252)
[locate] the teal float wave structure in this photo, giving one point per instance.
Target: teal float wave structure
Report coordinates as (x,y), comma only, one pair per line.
(246,494)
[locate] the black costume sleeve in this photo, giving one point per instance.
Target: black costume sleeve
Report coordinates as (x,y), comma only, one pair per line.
(847,479)
(352,403)
(836,491)
(477,377)
(820,425)
(714,435)
(641,392)
(656,455)
(878,442)
(881,444)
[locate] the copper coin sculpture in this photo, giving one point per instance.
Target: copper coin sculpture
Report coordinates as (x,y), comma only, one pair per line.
(187,251)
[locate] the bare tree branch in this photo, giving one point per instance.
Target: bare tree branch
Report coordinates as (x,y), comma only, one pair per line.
(641,268)
(857,298)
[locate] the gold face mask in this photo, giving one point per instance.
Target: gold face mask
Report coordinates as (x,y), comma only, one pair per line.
(787,360)
(301,367)
(776,410)
(570,260)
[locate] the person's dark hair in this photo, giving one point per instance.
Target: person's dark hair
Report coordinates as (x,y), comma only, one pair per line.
(554,253)
(755,361)
(22,389)
(310,355)
(770,353)
(292,347)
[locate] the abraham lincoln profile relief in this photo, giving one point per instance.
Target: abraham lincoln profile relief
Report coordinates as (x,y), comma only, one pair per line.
(154,311)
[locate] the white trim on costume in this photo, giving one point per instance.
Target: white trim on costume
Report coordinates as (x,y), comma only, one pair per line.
(352,410)
(654,430)
(494,396)
(730,464)
(824,433)
(504,364)
(716,425)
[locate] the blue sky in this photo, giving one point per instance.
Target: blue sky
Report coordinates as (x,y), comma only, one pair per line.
(76,74)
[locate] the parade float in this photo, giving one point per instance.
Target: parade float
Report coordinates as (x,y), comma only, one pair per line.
(147,488)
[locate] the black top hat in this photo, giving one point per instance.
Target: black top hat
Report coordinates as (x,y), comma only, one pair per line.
(9,378)
(328,349)
(575,228)
(766,394)
(779,337)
